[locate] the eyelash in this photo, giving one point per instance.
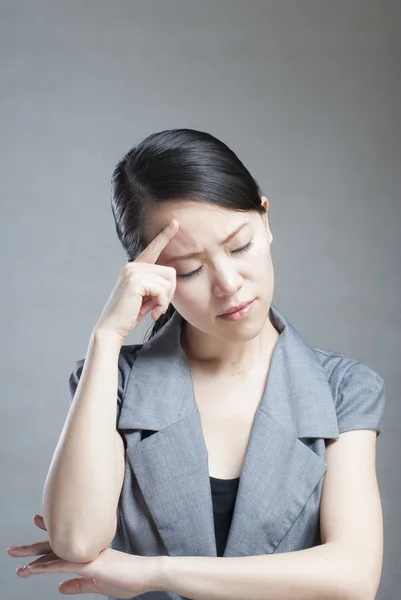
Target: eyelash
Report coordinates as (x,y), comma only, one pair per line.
(198,271)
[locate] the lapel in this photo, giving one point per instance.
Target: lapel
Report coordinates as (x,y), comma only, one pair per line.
(279,472)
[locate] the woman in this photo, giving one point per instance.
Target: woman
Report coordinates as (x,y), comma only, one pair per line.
(240,454)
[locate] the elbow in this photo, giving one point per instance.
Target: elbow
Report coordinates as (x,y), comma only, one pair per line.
(357,581)
(79,550)
(75,552)
(367,591)
(356,588)
(361,594)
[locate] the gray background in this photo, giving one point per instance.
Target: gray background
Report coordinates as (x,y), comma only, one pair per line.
(306,92)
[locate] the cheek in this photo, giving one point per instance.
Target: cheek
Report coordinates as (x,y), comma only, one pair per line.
(259,258)
(191,296)
(260,268)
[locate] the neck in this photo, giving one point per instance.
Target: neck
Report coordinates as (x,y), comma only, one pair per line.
(219,356)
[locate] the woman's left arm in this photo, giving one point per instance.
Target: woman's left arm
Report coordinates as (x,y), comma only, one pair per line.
(346,566)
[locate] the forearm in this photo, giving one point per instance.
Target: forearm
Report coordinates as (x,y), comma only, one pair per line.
(79,493)
(319,573)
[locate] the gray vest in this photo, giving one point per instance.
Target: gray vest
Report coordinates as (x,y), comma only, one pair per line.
(165,507)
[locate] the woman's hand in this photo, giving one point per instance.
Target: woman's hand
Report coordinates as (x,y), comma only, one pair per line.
(111,573)
(141,287)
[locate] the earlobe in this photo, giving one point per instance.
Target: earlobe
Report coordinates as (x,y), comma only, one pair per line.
(269,233)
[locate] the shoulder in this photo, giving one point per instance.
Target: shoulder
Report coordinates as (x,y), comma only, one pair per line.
(358,391)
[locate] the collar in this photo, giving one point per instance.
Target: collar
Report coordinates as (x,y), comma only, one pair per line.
(297,394)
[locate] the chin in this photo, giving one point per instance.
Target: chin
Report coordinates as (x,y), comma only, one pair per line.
(241,331)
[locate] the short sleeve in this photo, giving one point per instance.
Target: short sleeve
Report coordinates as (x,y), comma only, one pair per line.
(125,361)
(361,399)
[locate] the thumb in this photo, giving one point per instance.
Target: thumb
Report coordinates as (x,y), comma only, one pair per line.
(79,585)
(39,522)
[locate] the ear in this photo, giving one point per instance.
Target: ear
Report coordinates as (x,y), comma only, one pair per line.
(265,203)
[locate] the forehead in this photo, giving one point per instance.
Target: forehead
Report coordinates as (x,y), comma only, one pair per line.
(200,223)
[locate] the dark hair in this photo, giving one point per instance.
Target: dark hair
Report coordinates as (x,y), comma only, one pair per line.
(176,164)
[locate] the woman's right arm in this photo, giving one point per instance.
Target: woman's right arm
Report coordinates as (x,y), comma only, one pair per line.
(86,473)
(84,481)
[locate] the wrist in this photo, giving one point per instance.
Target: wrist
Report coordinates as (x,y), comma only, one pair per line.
(100,335)
(156,573)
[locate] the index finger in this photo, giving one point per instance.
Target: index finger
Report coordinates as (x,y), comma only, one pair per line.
(34,549)
(157,245)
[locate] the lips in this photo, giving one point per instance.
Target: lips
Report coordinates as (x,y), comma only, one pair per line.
(236,308)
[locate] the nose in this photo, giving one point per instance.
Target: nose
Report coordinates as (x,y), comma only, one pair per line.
(226,282)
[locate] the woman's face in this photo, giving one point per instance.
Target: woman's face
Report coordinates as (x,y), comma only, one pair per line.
(223,275)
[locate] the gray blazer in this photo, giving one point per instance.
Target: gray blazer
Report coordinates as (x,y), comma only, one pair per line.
(165,507)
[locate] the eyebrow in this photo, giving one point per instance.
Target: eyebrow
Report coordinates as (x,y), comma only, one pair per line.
(194,254)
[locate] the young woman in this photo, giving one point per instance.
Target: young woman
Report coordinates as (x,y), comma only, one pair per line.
(238,461)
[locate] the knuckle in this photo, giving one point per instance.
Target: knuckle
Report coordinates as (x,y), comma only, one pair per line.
(133,277)
(172,271)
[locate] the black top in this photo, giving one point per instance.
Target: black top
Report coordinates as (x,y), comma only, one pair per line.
(224,493)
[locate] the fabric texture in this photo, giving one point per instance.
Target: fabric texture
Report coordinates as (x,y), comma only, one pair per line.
(166,505)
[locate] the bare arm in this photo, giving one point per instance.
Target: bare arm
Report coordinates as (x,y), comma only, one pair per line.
(85,477)
(84,481)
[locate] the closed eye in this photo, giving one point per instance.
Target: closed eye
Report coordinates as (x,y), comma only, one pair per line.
(236,252)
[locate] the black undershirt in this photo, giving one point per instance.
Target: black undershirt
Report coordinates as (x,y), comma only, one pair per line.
(224,493)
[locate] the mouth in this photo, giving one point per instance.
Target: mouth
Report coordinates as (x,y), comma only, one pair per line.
(235,309)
